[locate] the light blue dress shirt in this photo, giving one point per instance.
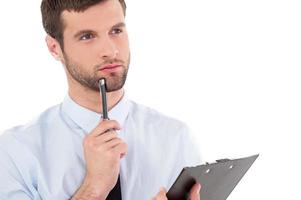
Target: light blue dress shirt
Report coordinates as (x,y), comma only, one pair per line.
(44,159)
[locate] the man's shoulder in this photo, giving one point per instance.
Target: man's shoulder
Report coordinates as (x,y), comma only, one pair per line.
(152,117)
(21,145)
(19,135)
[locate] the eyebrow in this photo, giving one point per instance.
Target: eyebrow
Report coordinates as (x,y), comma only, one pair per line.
(119,25)
(81,32)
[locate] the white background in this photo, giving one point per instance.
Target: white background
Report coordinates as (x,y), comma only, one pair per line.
(230,69)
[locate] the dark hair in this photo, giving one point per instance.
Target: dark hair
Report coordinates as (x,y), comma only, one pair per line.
(52,10)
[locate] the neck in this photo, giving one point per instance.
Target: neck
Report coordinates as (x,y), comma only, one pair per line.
(91,99)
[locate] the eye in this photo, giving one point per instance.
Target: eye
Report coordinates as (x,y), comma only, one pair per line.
(87,36)
(116,31)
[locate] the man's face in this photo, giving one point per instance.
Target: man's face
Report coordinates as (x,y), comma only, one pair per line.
(96,45)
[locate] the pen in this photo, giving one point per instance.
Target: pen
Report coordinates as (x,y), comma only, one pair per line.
(102,90)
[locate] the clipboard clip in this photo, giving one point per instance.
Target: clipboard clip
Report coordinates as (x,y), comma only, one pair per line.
(222,160)
(219,161)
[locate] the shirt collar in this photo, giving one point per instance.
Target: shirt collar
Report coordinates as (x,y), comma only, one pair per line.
(88,119)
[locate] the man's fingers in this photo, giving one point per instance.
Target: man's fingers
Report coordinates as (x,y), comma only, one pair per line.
(113,143)
(194,193)
(101,140)
(163,191)
(121,148)
(161,195)
(104,126)
(108,136)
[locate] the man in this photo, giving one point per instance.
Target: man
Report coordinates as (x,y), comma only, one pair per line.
(69,151)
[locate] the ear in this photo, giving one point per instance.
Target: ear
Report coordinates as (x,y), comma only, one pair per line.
(54,48)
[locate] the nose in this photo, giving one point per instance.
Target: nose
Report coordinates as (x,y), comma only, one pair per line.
(108,49)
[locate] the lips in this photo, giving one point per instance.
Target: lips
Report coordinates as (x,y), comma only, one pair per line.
(110,68)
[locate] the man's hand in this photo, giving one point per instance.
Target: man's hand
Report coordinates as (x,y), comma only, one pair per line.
(103,151)
(194,193)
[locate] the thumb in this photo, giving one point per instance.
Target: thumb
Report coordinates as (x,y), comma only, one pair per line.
(194,193)
(161,194)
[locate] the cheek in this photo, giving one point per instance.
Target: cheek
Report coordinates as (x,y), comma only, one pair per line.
(79,55)
(124,47)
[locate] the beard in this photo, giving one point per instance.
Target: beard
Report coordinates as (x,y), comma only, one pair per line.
(114,80)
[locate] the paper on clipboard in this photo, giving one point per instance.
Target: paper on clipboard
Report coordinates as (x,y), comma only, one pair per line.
(217,179)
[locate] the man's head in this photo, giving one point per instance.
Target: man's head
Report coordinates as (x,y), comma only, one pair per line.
(89,37)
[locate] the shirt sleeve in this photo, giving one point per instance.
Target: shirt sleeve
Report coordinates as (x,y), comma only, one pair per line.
(12,186)
(188,154)
(15,179)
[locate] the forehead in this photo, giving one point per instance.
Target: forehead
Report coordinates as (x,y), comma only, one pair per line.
(100,16)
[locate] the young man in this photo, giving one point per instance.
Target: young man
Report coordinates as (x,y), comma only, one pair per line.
(69,151)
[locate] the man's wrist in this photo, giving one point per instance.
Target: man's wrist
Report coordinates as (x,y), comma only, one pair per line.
(91,190)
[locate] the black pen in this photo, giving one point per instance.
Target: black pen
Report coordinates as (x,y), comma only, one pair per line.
(103,92)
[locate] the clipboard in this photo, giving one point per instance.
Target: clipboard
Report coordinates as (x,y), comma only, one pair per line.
(218,179)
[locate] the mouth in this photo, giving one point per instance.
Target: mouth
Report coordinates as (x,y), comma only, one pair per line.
(110,68)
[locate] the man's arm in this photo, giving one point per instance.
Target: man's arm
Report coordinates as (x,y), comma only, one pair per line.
(12,183)
(103,151)
(90,190)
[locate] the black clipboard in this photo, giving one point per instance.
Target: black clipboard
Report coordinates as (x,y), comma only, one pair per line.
(217,179)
